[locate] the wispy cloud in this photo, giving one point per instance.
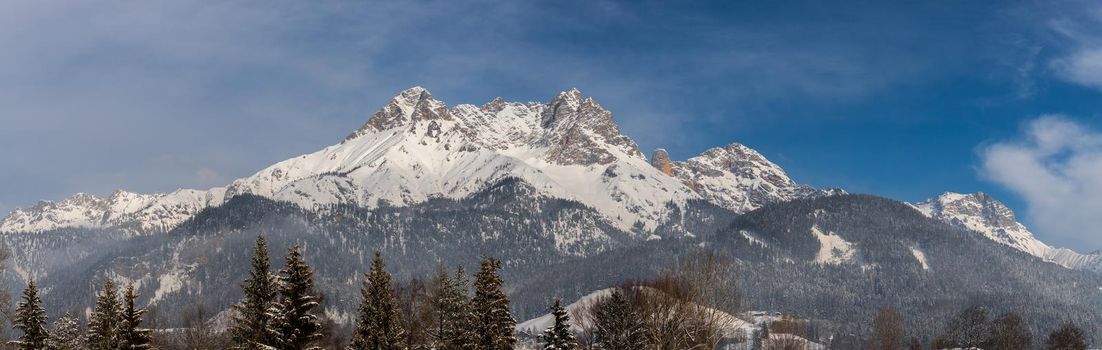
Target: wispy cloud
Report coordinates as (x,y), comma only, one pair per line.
(1056,167)
(1079,38)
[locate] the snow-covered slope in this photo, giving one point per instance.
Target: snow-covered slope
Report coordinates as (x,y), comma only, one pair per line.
(732,326)
(130,211)
(981,213)
(416,148)
(537,325)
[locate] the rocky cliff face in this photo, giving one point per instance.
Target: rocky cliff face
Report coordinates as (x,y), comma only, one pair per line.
(734,177)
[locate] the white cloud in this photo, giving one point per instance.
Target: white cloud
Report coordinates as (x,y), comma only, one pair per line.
(1056,167)
(1079,35)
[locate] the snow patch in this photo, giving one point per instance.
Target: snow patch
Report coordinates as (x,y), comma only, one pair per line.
(833,249)
(920,256)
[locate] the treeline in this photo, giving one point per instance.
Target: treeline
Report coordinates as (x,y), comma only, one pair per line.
(691,305)
(972,328)
(281,310)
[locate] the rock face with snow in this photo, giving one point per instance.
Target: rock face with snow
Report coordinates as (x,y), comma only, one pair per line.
(125,210)
(981,213)
(416,148)
(734,177)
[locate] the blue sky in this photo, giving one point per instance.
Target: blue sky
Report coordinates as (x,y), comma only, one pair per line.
(905,100)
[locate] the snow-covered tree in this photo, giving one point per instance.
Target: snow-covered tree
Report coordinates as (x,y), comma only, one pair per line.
(30,319)
(559,336)
(105,320)
(456,325)
(618,326)
(295,324)
(131,335)
(491,307)
(251,323)
(66,334)
(379,326)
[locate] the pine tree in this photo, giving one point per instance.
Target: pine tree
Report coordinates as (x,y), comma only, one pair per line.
(559,336)
(66,334)
(457,324)
(105,320)
(131,335)
(251,323)
(1068,337)
(295,324)
(30,319)
(491,306)
(618,326)
(379,327)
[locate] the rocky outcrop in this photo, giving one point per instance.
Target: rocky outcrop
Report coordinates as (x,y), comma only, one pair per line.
(661,160)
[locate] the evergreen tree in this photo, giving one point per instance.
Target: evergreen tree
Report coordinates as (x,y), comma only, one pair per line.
(66,334)
(1067,337)
(251,323)
(559,336)
(131,335)
(105,320)
(30,319)
(491,306)
(379,326)
(1010,333)
(296,325)
(457,324)
(618,326)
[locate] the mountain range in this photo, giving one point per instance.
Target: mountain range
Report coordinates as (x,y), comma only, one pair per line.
(416,148)
(543,185)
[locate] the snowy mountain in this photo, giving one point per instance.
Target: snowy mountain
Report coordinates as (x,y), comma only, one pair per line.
(981,213)
(125,210)
(417,148)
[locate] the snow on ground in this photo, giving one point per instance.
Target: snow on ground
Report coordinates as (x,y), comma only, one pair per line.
(833,250)
(920,256)
(753,239)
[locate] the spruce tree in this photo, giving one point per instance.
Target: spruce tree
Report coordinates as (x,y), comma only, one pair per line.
(379,326)
(30,319)
(66,334)
(296,325)
(457,325)
(618,326)
(251,323)
(559,336)
(495,323)
(131,335)
(104,320)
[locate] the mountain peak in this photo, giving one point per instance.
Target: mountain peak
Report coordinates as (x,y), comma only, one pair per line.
(410,105)
(981,213)
(578,127)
